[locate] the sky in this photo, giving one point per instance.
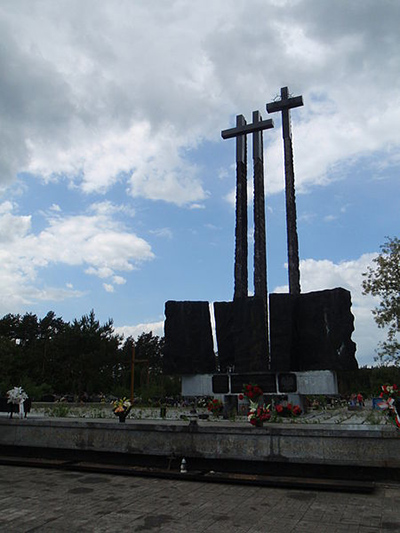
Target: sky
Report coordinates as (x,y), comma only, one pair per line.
(117,192)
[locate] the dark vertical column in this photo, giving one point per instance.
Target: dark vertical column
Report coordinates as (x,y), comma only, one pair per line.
(260,259)
(241,276)
(260,254)
(291,214)
(284,105)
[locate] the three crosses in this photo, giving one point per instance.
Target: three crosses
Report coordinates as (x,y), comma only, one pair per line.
(241,250)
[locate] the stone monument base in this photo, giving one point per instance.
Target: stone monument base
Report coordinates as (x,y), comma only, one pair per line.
(296,385)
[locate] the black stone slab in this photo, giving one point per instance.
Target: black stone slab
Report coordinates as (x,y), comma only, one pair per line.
(188,338)
(287,382)
(312,331)
(220,384)
(241,335)
(325,324)
(283,335)
(230,406)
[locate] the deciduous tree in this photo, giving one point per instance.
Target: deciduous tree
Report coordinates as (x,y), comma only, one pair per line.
(383,280)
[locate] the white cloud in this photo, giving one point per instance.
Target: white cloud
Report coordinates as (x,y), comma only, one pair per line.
(157,328)
(97,244)
(165,233)
(107,208)
(197,206)
(104,92)
(108,287)
(119,280)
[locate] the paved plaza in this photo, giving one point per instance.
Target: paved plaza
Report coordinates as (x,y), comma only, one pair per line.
(52,501)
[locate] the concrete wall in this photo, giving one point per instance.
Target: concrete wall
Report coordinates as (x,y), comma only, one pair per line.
(312,382)
(350,445)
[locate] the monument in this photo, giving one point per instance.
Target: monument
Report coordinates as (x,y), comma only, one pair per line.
(269,340)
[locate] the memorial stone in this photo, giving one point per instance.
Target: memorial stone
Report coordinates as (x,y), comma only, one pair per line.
(312,331)
(240,330)
(265,380)
(188,338)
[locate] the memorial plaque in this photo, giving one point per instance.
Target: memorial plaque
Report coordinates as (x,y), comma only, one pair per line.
(287,382)
(230,406)
(266,381)
(220,384)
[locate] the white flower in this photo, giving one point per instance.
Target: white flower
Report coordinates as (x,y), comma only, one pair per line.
(16,395)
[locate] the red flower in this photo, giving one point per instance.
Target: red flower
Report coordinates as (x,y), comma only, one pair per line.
(279,408)
(241,396)
(394,387)
(250,394)
(289,406)
(296,410)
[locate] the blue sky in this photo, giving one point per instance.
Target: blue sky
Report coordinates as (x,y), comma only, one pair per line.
(117,191)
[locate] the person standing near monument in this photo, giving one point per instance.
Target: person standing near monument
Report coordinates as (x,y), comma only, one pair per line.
(360,400)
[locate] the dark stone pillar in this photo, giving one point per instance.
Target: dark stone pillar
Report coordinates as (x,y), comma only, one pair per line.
(241,246)
(188,338)
(241,335)
(312,331)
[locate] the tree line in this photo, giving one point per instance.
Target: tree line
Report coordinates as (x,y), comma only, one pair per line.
(50,356)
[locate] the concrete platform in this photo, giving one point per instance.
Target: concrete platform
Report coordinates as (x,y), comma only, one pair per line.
(325,444)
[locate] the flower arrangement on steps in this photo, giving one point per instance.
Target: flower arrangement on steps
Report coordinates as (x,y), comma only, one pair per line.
(17,396)
(287,410)
(121,408)
(215,407)
(259,412)
(390,403)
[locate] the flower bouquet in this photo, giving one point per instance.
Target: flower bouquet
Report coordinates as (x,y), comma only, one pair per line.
(121,408)
(389,403)
(215,406)
(258,412)
(17,396)
(288,410)
(252,392)
(257,415)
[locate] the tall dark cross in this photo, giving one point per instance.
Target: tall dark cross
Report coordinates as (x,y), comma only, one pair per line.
(260,250)
(241,276)
(241,248)
(284,105)
(260,256)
